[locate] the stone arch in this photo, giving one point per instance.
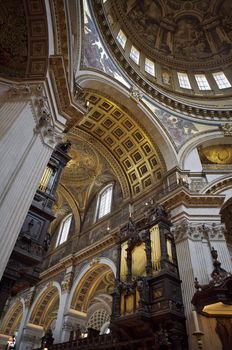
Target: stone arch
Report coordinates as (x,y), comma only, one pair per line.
(86,284)
(219,185)
(12,319)
(45,308)
(208,137)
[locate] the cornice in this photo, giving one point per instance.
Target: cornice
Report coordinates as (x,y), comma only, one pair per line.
(71,112)
(106,242)
(159,96)
(181,196)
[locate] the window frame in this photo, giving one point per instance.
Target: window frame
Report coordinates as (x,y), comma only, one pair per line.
(121,38)
(59,241)
(135,55)
(202,82)
(98,206)
(221,80)
(149,67)
(184,81)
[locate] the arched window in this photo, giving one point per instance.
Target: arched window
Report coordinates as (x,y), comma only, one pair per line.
(104,201)
(64,230)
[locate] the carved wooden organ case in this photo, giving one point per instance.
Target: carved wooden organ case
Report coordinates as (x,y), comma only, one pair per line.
(147,296)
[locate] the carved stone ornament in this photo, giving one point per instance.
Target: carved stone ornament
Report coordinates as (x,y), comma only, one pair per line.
(44,124)
(35,93)
(94,261)
(136,94)
(29,298)
(195,231)
(227,129)
(66,284)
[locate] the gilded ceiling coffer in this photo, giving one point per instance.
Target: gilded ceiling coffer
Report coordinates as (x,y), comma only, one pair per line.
(147,287)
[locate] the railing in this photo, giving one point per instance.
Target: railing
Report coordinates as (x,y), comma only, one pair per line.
(103,342)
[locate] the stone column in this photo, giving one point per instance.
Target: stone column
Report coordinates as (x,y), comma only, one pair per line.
(193,245)
(28,136)
(197,228)
(66,286)
(28,302)
(31,337)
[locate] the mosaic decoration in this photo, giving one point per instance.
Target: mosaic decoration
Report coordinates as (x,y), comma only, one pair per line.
(95,55)
(179,129)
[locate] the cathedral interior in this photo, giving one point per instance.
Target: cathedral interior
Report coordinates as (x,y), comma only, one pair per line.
(116,181)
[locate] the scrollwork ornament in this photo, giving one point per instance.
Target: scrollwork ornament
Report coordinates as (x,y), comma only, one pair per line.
(227,129)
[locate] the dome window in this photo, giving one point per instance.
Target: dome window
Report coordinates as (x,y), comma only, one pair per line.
(202,82)
(149,67)
(134,54)
(221,80)
(121,38)
(183,80)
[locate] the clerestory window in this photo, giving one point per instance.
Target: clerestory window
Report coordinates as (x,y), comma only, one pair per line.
(64,230)
(104,201)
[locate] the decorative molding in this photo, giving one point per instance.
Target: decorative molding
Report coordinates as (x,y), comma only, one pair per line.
(226,128)
(195,231)
(73,113)
(29,298)
(181,196)
(136,94)
(87,253)
(219,186)
(36,95)
(67,282)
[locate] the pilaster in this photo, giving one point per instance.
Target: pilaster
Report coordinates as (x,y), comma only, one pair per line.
(66,286)
(29,133)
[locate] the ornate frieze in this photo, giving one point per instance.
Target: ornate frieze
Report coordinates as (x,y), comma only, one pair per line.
(181,196)
(198,232)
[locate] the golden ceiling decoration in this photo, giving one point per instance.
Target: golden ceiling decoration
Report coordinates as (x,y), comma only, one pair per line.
(47,304)
(84,165)
(125,138)
(87,287)
(217,154)
(13,319)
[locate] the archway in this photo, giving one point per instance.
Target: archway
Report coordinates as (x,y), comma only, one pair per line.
(91,301)
(11,322)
